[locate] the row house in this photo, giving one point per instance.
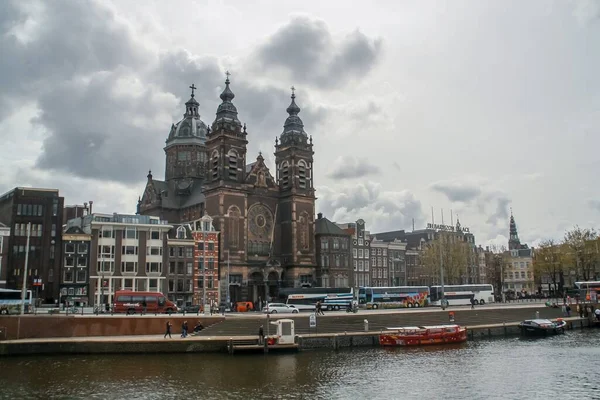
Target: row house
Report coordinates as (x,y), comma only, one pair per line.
(334,255)
(126,253)
(361,245)
(193,246)
(74,280)
(40,210)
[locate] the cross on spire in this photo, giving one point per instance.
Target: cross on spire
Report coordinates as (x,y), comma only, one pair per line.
(293,91)
(227,73)
(193,88)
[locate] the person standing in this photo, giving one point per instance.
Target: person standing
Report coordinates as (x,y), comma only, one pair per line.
(168,331)
(184,329)
(261,335)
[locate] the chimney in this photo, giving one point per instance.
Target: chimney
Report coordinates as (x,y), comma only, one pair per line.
(320,216)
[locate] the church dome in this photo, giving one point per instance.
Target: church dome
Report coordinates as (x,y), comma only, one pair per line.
(191,129)
(227,113)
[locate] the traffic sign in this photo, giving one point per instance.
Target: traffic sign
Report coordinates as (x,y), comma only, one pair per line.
(313,321)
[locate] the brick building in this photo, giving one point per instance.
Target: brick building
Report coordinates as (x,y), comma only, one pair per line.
(75,271)
(334,254)
(43,209)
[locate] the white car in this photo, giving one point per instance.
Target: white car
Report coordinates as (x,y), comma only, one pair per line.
(275,308)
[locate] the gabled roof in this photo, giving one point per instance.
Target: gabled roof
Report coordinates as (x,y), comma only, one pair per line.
(323,226)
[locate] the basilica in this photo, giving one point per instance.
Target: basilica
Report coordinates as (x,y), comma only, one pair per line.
(266,221)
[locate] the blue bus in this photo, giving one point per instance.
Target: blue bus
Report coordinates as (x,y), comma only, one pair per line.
(393,296)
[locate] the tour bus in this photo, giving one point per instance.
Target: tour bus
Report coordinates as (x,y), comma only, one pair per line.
(393,296)
(457,295)
(305,299)
(10,301)
(130,302)
(588,290)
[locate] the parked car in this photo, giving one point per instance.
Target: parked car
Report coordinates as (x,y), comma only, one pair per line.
(275,308)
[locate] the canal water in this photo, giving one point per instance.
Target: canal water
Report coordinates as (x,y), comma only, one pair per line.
(566,367)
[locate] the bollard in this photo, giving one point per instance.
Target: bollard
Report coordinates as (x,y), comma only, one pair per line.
(366,325)
(537,315)
(451,316)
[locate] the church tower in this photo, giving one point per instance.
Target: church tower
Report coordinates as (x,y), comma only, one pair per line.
(513,242)
(224,190)
(294,165)
(185,147)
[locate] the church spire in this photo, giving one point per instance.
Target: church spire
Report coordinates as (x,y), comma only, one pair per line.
(293,128)
(513,242)
(227,111)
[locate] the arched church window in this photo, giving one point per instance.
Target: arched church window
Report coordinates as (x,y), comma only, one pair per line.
(215,164)
(233,164)
(284,174)
(302,176)
(233,234)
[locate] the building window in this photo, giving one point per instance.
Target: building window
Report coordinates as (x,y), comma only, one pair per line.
(106,232)
(211,263)
(338,261)
(106,251)
(189,252)
(70,248)
(354,253)
(190,268)
(82,262)
(181,232)
(129,266)
(155,235)
(233,164)
(81,275)
(106,266)
(211,246)
(234,227)
(153,267)
(52,252)
(154,251)
(324,244)
(180,251)
(68,275)
(130,250)
(19,209)
(303,231)
(354,263)
(82,248)
(130,233)
(284,174)
(336,244)
(302,174)
(215,165)
(360,253)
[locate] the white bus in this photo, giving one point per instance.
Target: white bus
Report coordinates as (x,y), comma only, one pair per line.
(10,301)
(305,299)
(457,295)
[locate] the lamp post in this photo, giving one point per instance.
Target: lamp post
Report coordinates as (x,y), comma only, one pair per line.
(24,288)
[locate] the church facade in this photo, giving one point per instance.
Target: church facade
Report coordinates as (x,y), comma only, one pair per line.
(266,219)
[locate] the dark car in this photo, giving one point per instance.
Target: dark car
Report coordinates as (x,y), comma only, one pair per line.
(190,309)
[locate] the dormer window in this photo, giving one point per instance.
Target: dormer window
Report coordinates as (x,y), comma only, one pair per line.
(181,232)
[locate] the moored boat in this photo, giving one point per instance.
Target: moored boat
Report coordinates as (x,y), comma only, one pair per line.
(542,327)
(423,335)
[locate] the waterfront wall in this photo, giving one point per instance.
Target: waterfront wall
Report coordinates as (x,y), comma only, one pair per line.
(57,326)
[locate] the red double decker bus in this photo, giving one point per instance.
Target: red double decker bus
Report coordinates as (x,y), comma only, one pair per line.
(130,302)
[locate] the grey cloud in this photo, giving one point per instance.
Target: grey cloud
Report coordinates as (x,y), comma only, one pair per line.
(306,49)
(595,205)
(349,167)
(105,101)
(500,214)
(381,210)
(397,166)
(457,191)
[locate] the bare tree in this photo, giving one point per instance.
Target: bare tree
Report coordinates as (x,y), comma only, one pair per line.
(454,254)
(582,252)
(548,260)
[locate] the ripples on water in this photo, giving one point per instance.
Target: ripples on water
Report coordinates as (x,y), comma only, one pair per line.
(562,366)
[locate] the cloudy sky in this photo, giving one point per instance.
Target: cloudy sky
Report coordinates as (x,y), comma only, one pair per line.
(474,106)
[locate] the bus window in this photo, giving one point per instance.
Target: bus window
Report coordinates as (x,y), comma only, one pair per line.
(150,299)
(137,299)
(124,299)
(161,301)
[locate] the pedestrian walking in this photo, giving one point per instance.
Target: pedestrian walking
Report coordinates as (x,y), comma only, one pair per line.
(472,303)
(144,307)
(168,331)
(184,329)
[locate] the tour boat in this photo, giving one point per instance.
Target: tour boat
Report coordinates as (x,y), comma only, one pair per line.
(423,335)
(542,327)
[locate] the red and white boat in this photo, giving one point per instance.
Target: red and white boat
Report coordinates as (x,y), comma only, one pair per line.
(423,335)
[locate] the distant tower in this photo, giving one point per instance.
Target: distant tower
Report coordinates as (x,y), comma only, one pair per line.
(513,242)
